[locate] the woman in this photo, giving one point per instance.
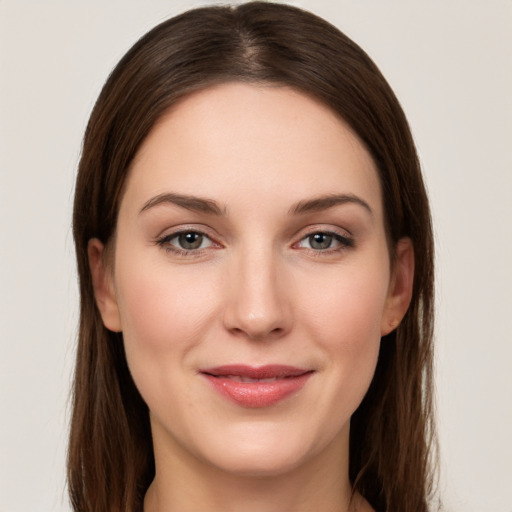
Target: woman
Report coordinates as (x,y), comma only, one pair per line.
(256,274)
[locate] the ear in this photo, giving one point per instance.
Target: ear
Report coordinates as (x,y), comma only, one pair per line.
(103,285)
(400,286)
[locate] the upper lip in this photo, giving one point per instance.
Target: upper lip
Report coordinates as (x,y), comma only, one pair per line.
(269,371)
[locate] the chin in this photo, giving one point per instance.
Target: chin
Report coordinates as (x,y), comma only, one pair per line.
(263,450)
(259,463)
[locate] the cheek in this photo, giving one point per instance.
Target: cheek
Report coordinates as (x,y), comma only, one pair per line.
(345,320)
(348,306)
(164,315)
(159,306)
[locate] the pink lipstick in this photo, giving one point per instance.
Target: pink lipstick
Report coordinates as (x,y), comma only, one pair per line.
(261,386)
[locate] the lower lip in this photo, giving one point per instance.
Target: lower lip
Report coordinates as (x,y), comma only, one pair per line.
(258,394)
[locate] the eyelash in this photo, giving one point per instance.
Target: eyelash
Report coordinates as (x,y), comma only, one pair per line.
(345,242)
(165,243)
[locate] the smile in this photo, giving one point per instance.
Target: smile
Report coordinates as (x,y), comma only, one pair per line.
(253,387)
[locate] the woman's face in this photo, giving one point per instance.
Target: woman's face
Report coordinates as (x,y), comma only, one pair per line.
(251,279)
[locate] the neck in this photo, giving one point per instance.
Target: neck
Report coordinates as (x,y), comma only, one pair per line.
(185,483)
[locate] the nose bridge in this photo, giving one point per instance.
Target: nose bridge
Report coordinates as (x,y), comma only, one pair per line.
(258,305)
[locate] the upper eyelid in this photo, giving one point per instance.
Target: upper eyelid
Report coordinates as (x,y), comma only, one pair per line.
(177,230)
(342,235)
(344,239)
(176,234)
(322,228)
(164,241)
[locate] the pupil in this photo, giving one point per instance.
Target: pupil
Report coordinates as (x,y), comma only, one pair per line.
(320,241)
(190,240)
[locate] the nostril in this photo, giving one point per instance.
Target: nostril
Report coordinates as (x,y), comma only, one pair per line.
(259,335)
(256,310)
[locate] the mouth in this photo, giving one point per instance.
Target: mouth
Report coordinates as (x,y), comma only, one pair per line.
(255,387)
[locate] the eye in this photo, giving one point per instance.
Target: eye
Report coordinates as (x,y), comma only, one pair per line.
(185,241)
(325,241)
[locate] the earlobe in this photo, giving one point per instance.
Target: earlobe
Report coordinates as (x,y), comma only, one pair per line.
(104,292)
(400,286)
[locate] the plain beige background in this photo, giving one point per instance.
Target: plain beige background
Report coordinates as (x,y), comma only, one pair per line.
(449,63)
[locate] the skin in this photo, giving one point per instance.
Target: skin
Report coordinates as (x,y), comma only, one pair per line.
(257,291)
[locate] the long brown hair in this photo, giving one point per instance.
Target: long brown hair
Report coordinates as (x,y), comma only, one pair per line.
(110,460)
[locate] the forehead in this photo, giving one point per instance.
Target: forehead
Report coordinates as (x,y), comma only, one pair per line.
(237,139)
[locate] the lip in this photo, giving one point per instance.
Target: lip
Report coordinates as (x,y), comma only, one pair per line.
(254,387)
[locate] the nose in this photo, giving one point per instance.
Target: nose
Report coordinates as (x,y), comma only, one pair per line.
(258,307)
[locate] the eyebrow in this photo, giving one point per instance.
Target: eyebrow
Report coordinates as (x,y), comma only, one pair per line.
(197,204)
(328,201)
(209,206)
